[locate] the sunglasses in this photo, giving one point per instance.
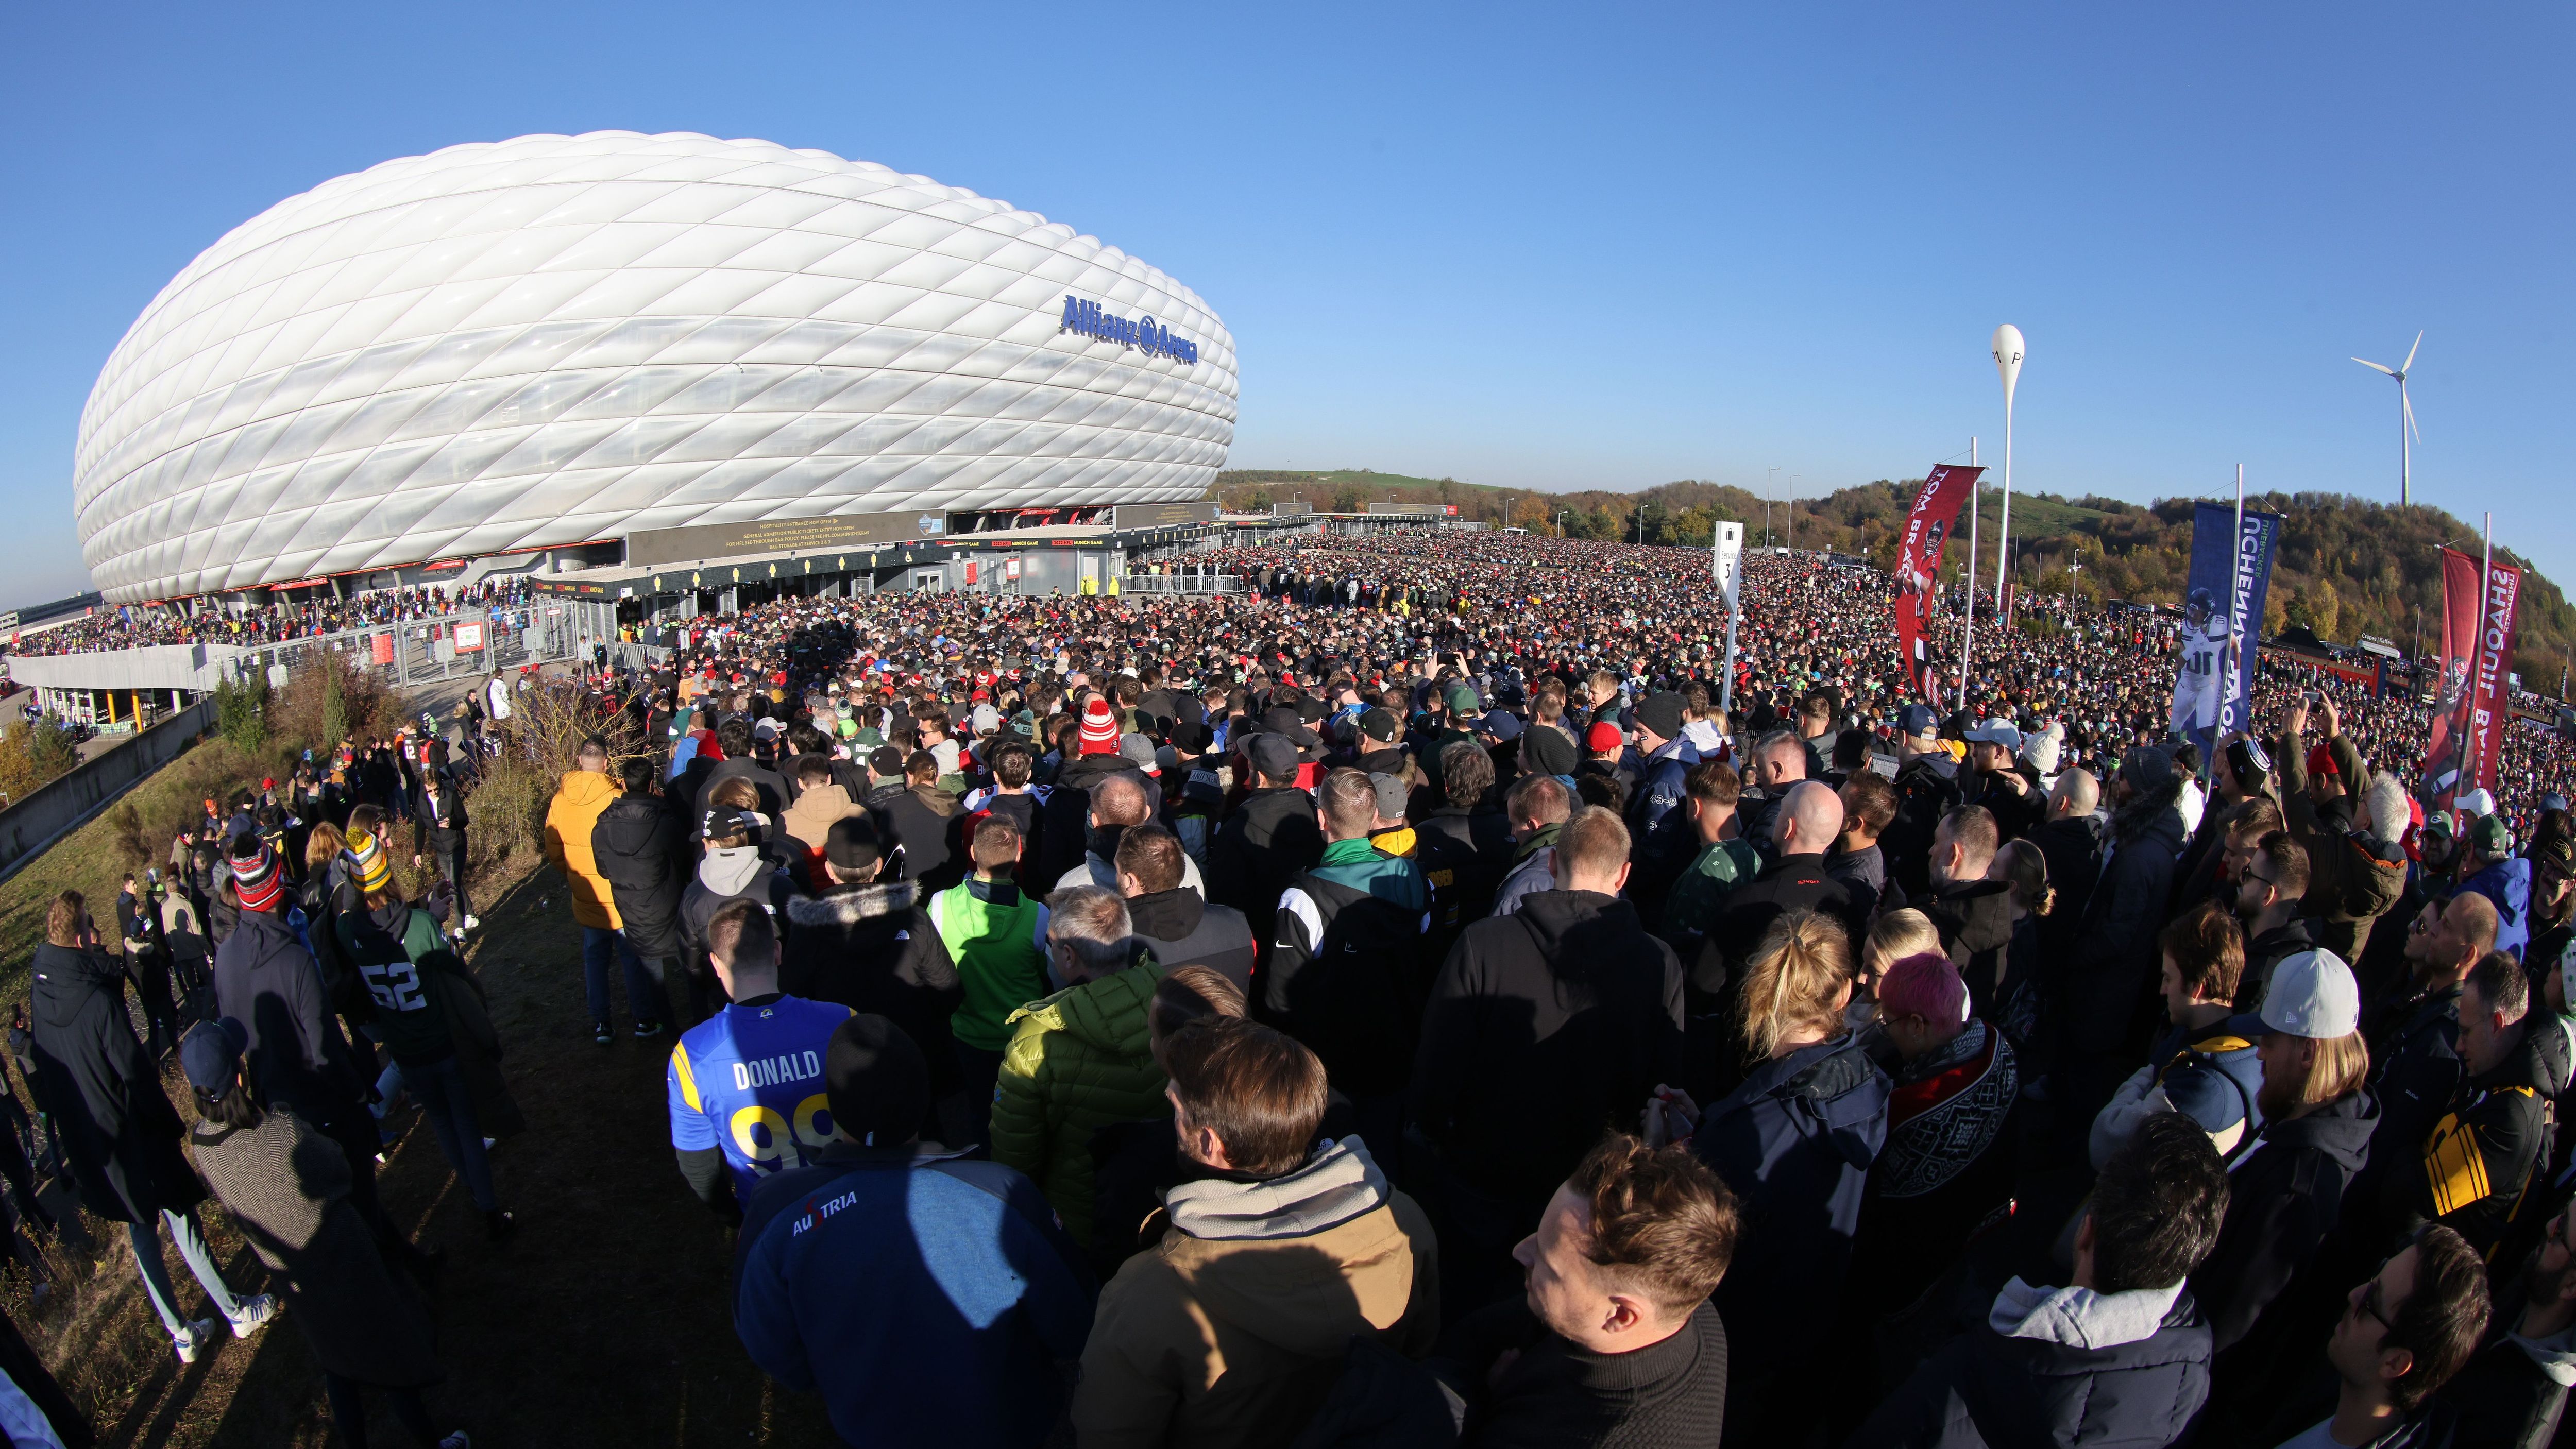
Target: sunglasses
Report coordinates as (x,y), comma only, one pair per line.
(2370,1303)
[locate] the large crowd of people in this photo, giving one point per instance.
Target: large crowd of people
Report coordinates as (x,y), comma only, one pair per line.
(108,627)
(1421,998)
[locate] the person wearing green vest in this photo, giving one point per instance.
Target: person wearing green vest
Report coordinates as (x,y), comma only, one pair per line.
(1083,1058)
(997,936)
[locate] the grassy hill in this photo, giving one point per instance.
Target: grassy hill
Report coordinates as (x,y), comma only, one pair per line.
(2346,566)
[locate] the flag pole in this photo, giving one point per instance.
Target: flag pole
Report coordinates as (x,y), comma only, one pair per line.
(1968,645)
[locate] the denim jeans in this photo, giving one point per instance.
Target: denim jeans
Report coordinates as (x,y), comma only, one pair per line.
(598,945)
(146,1236)
(439,1088)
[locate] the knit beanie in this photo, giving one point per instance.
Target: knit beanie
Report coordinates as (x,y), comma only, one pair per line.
(1099,728)
(367,862)
(1924,984)
(256,878)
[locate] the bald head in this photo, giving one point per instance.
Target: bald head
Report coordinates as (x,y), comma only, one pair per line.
(2076,793)
(2472,921)
(1811,815)
(1118,800)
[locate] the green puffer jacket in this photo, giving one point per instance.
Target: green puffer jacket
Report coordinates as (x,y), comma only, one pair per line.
(1078,1061)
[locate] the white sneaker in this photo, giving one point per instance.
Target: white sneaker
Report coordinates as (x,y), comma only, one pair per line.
(256,1311)
(196,1338)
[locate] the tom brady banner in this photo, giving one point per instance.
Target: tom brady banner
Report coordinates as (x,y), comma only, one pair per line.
(2222,620)
(1918,565)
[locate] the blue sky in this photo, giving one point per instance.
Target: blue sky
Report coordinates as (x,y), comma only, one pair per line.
(1556,247)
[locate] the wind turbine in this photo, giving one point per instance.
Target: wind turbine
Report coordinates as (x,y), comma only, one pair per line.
(2406,421)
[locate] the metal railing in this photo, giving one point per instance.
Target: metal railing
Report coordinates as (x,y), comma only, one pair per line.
(1187,583)
(429,651)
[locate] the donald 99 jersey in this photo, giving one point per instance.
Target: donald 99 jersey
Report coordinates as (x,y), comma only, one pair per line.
(750,1081)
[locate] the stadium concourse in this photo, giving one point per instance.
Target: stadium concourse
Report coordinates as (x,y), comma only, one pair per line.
(1396,1003)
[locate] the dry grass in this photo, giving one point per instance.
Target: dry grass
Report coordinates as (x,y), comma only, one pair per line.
(606,1321)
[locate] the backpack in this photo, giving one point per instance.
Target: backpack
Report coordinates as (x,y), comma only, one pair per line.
(1358,1003)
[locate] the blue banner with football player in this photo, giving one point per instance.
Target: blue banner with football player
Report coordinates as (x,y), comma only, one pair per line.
(2222,622)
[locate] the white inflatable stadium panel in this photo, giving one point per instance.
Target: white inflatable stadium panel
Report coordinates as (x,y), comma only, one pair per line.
(561,339)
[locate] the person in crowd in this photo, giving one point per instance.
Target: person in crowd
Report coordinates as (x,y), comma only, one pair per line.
(1927,788)
(286,1187)
(1464,846)
(2260,1286)
(2513,1391)
(1725,860)
(268,984)
(927,1296)
(1613,1340)
(821,802)
(1119,803)
(1869,804)
(1066,815)
(2488,867)
(1537,805)
(1795,1142)
(2402,1335)
(1174,921)
(640,848)
(2269,889)
(1134,1163)
(2479,1164)
(1234,1327)
(1655,815)
(147,965)
(572,818)
(435,1024)
(2416,1066)
(2203,957)
(746,1085)
(438,832)
(926,823)
(2356,867)
(1268,838)
(2120,1355)
(1946,1172)
(118,1134)
(1543,1030)
(866,943)
(1082,1058)
(2112,966)
(1972,912)
(1345,973)
(1997,785)
(739,864)
(1809,818)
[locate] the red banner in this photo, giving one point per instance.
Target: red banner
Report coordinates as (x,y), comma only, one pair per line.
(2446,748)
(1918,566)
(2491,673)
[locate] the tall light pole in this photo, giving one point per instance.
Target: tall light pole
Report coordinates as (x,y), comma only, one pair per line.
(2008,354)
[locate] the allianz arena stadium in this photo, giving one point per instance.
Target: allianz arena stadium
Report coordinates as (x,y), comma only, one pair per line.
(562,341)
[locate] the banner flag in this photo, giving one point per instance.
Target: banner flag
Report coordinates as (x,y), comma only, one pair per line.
(2446,752)
(1918,566)
(2222,622)
(2499,622)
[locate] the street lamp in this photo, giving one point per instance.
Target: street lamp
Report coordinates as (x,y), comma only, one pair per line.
(2008,353)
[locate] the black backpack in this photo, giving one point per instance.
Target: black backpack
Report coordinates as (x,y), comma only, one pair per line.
(1358,1003)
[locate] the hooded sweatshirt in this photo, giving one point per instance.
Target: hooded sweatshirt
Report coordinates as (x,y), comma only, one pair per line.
(570,818)
(808,825)
(738,873)
(1234,1328)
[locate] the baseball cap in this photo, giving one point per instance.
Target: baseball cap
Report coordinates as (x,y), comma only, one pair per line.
(1377,724)
(2476,802)
(885,761)
(2210,1100)
(1603,737)
(1919,721)
(716,824)
(1502,724)
(2441,823)
(2312,994)
(1391,793)
(1996,732)
(211,1054)
(2321,762)
(1272,755)
(2489,835)
(877,1081)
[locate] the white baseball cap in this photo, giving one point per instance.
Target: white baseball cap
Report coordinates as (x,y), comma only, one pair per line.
(2475,802)
(2312,994)
(1996,732)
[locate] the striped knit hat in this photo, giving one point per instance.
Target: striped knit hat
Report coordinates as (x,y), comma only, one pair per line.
(1099,728)
(256,877)
(367,862)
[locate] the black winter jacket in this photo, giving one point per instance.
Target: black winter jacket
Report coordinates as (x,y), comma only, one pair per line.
(1183,930)
(1546,1028)
(640,849)
(1065,820)
(120,1134)
(1259,849)
(1975,920)
(871,948)
(268,981)
(2113,970)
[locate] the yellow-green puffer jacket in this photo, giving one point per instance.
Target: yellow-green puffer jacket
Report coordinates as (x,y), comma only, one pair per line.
(1078,1061)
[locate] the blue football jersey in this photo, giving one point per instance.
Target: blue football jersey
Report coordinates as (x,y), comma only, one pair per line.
(750,1080)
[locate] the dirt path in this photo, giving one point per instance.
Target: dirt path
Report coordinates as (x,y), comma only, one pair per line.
(605,1321)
